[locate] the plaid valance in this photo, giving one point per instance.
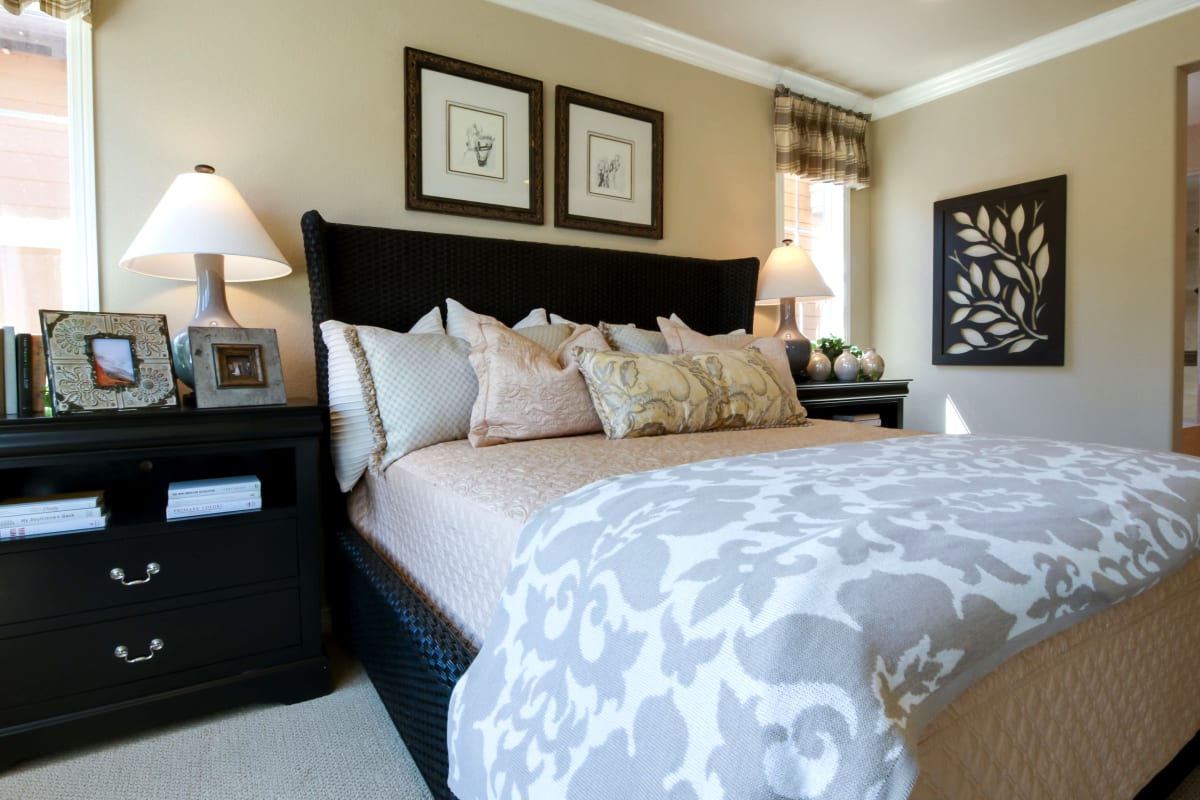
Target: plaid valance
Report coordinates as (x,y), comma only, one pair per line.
(63,9)
(820,142)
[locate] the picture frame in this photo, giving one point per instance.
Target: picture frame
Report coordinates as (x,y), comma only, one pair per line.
(999,276)
(473,140)
(236,367)
(107,362)
(608,165)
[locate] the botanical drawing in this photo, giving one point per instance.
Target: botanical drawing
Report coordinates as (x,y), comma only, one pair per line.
(1000,304)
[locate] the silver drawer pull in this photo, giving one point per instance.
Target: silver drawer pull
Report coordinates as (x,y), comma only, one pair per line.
(118,574)
(122,652)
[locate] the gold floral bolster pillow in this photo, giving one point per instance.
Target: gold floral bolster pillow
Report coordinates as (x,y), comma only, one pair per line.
(638,394)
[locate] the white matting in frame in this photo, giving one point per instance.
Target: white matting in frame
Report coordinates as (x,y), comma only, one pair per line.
(598,188)
(236,367)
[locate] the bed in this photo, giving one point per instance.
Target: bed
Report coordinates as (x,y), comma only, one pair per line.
(1096,711)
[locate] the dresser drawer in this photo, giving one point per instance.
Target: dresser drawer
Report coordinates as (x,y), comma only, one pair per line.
(70,578)
(72,660)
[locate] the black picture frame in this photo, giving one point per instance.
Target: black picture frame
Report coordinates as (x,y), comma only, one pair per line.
(999,276)
(585,197)
(497,172)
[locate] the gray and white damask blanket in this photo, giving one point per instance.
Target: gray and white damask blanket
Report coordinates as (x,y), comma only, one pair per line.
(783,625)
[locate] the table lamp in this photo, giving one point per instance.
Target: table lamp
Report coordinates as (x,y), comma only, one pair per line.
(790,274)
(203,230)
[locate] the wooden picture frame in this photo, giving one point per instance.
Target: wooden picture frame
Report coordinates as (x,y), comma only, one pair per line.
(236,367)
(473,140)
(999,276)
(608,165)
(98,362)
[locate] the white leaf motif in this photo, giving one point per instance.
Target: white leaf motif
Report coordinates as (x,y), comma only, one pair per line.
(958,349)
(958,297)
(1001,328)
(970,235)
(993,284)
(979,250)
(999,232)
(1007,269)
(976,276)
(1041,264)
(985,317)
(964,287)
(962,218)
(973,337)
(982,220)
(1020,346)
(1035,238)
(959,315)
(1018,219)
(1018,303)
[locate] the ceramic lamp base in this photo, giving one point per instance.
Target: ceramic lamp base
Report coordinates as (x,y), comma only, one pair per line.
(799,348)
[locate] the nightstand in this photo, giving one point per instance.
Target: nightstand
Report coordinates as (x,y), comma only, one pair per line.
(147,621)
(824,399)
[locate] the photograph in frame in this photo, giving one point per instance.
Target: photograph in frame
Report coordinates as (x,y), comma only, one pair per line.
(473,140)
(98,362)
(236,367)
(608,165)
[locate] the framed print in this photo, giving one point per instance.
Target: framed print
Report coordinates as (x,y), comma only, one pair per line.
(473,139)
(108,362)
(999,276)
(608,165)
(236,367)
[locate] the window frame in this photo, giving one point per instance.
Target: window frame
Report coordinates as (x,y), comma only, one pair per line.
(82,270)
(844,292)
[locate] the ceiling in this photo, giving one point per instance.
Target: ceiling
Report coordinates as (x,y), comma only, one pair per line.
(875,56)
(873,47)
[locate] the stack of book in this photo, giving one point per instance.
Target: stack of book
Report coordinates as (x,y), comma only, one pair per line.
(212,496)
(57,513)
(861,419)
(22,374)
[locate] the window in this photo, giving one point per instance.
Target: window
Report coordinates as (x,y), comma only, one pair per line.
(47,199)
(813,216)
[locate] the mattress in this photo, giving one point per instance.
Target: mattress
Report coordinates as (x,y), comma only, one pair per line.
(1013,735)
(448,516)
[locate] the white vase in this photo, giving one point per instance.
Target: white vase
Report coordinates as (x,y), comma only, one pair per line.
(846,366)
(818,368)
(871,364)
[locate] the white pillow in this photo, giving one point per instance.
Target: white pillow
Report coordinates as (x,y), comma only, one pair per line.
(350,438)
(457,314)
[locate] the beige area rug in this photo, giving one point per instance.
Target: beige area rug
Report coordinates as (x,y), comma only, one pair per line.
(341,746)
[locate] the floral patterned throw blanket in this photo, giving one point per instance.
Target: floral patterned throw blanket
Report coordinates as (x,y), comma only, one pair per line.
(783,625)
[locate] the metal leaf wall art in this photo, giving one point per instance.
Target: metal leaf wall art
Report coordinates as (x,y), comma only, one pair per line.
(999,276)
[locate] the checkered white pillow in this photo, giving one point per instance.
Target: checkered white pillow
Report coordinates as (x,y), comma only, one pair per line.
(351,440)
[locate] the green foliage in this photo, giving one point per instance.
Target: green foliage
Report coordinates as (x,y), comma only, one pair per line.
(832,347)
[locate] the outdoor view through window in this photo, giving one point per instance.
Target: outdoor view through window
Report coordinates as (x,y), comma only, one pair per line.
(814,218)
(36,231)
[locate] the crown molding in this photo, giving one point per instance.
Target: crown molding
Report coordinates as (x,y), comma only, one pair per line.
(1086,33)
(620,26)
(626,28)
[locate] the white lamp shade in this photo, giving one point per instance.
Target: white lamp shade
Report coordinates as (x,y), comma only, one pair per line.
(204,213)
(789,272)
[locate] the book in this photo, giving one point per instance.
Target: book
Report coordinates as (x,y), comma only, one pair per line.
(37,390)
(34,518)
(10,371)
(205,487)
(227,497)
(51,502)
(58,526)
(24,350)
(861,419)
(213,507)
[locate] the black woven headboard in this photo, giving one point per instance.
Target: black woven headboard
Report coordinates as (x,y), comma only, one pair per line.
(389,277)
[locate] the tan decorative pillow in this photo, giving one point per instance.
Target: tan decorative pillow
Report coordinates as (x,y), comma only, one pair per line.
(643,394)
(682,339)
(527,391)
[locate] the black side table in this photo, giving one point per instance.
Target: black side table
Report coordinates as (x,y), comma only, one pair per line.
(825,399)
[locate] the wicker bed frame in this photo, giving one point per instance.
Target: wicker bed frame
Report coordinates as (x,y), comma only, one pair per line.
(389,278)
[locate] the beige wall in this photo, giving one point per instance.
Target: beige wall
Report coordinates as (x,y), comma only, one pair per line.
(1106,117)
(300,104)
